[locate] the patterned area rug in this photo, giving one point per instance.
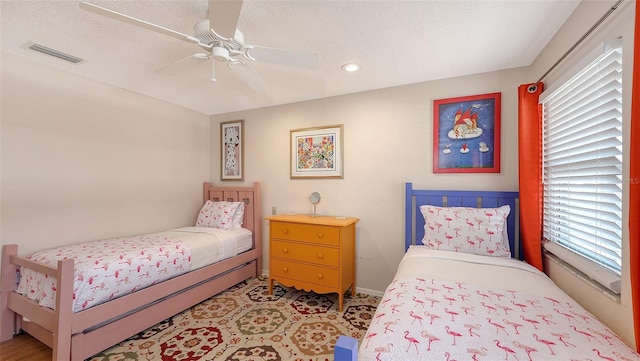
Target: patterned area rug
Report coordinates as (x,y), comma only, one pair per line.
(245,323)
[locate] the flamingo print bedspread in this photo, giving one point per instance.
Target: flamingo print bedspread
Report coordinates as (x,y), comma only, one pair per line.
(109,268)
(422,318)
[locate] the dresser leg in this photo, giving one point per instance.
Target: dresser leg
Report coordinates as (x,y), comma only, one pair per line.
(340,301)
(270,286)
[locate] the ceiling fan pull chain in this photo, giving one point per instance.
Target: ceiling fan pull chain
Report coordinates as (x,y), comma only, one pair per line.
(213,70)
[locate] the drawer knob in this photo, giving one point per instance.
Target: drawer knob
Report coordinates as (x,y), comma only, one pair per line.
(320,235)
(320,276)
(320,255)
(285,269)
(285,231)
(285,250)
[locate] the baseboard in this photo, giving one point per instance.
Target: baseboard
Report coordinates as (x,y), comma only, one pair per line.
(369,292)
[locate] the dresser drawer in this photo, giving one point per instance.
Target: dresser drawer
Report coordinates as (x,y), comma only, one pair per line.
(304,272)
(323,256)
(310,233)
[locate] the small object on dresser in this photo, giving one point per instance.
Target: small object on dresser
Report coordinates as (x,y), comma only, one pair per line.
(314,198)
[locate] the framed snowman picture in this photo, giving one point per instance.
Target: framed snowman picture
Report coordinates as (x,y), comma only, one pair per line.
(466,134)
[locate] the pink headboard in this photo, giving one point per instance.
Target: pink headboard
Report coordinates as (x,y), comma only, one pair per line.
(252,205)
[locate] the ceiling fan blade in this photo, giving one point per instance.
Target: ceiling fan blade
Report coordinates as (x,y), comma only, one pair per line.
(250,76)
(183,64)
(284,57)
(137,22)
(224,15)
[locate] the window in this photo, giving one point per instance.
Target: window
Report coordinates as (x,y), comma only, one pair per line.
(582,169)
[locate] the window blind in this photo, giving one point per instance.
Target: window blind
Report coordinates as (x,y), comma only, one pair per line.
(582,163)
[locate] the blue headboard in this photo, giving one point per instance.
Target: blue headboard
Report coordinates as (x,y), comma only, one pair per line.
(414,222)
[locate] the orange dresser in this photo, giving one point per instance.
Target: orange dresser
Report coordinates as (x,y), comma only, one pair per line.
(313,253)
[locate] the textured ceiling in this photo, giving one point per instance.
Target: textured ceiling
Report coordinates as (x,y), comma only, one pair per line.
(395,42)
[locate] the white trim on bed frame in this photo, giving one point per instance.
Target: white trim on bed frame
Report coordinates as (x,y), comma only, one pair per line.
(77,336)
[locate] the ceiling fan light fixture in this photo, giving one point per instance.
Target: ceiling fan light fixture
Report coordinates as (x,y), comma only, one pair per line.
(220,53)
(350,67)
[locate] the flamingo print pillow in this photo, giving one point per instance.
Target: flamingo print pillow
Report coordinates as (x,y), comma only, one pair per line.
(469,230)
(222,215)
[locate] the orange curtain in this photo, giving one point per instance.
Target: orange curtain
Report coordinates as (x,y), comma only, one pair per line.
(530,172)
(634,183)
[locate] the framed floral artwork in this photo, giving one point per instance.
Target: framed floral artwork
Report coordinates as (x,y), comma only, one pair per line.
(466,134)
(232,150)
(317,152)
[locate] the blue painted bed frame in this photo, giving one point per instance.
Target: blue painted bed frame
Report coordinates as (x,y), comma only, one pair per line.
(414,222)
(346,349)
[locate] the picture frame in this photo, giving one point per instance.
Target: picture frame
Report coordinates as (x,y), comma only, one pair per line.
(232,150)
(466,134)
(317,152)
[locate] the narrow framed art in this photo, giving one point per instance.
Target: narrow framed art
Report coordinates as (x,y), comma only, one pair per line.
(466,134)
(232,150)
(317,152)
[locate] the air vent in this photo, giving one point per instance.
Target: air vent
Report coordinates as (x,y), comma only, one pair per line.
(55,53)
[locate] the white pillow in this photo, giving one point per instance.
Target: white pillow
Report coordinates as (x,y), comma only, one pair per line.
(470,230)
(222,215)
(238,216)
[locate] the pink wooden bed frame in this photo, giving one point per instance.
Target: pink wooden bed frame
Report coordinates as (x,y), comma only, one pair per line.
(77,336)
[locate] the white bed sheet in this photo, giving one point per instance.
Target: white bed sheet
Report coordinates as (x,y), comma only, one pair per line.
(205,252)
(494,272)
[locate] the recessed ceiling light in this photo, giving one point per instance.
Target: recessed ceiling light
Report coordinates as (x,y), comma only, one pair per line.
(350,67)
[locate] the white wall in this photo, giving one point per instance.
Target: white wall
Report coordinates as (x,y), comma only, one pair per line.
(616,314)
(81,160)
(387,142)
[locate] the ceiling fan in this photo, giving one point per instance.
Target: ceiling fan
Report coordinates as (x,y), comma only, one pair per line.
(219,37)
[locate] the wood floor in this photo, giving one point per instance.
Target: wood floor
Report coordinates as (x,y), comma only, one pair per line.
(24,348)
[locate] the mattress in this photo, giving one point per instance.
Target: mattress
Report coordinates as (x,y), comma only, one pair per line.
(449,305)
(493,272)
(107,269)
(205,252)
